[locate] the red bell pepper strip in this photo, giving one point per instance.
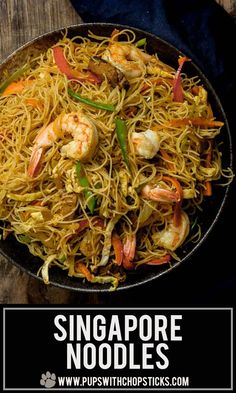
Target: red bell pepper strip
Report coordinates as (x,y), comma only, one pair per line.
(66,69)
(177,86)
(195,122)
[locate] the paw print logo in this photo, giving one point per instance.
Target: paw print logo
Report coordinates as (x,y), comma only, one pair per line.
(48,380)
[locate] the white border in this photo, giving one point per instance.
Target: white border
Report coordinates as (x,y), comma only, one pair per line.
(119,309)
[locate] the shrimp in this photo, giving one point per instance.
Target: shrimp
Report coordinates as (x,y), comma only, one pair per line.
(146,143)
(82,147)
(132,61)
(172,236)
(159,194)
(127,58)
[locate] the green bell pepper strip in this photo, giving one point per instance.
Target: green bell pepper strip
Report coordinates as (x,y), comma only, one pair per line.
(98,105)
(121,133)
(13,77)
(141,42)
(83,182)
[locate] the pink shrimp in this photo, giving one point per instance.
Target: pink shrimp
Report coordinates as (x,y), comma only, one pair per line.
(82,146)
(146,143)
(127,58)
(159,194)
(172,236)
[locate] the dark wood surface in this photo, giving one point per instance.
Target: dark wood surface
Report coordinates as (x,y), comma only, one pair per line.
(21,20)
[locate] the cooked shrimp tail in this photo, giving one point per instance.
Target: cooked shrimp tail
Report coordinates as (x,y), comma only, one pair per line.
(159,194)
(172,236)
(34,164)
(78,126)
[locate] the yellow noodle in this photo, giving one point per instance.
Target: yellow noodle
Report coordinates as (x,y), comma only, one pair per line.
(47,211)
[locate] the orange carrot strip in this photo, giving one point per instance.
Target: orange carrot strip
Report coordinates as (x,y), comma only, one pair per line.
(160,261)
(208,190)
(81,268)
(158,127)
(209,154)
(197,121)
(35,103)
(209,111)
(165,155)
(157,82)
(118,248)
(37,203)
(16,87)
(208,187)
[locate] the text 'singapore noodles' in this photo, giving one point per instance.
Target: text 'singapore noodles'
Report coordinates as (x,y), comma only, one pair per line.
(129,342)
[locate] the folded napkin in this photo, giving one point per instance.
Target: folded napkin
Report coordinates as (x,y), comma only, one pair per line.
(207,34)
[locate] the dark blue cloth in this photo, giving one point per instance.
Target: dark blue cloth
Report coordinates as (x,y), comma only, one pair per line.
(206,33)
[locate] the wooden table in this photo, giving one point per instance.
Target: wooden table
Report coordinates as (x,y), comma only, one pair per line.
(21,20)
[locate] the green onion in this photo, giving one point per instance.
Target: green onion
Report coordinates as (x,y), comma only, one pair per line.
(83,182)
(141,42)
(98,105)
(121,133)
(13,77)
(24,239)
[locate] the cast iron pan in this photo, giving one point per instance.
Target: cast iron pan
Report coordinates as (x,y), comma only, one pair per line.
(19,255)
